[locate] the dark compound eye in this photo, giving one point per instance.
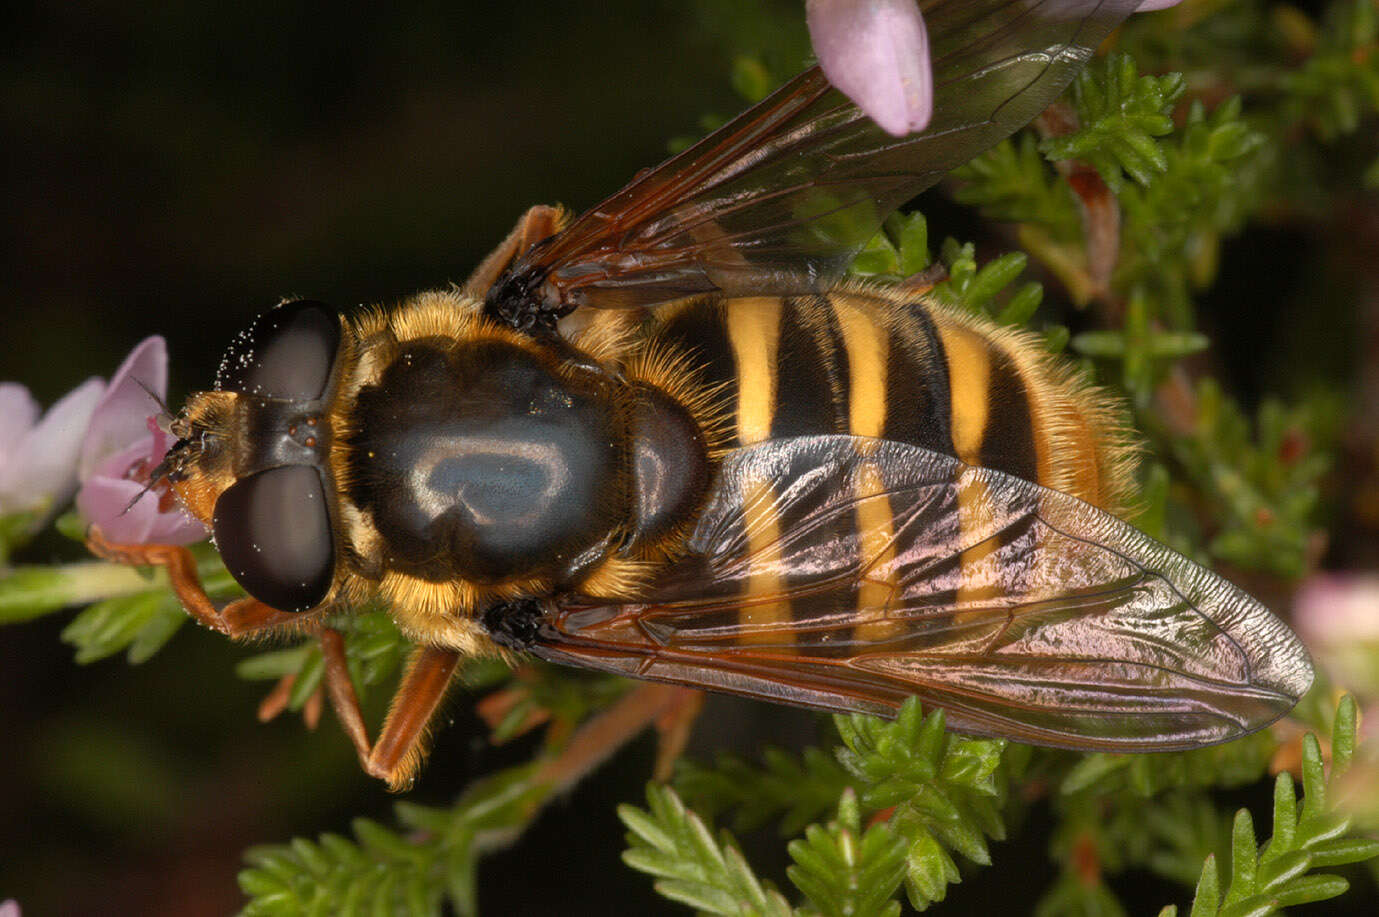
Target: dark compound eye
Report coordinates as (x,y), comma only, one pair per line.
(287,353)
(273,533)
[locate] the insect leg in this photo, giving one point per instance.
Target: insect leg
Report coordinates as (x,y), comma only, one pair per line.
(643,706)
(237,619)
(276,701)
(343,698)
(674,726)
(398,753)
(536,224)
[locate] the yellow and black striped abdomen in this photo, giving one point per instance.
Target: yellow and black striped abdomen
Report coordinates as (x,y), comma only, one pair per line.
(880,363)
(874,363)
(1018,409)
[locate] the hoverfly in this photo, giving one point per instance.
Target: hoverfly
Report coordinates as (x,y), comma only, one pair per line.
(665,439)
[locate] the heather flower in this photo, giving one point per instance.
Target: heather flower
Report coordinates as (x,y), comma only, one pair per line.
(38,457)
(876,52)
(1337,616)
(121,448)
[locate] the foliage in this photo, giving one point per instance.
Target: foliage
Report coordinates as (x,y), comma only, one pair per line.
(673,844)
(1120,114)
(411,870)
(1275,874)
(906,772)
(1258,482)
(795,790)
(926,794)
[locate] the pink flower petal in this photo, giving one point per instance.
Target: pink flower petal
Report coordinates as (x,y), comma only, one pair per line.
(1338,609)
(18,413)
(120,417)
(125,510)
(39,472)
(877,53)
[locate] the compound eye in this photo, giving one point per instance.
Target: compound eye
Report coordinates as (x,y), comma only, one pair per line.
(273,533)
(287,353)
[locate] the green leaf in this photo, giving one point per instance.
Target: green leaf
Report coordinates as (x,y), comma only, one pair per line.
(795,789)
(273,664)
(911,234)
(1207,901)
(1277,875)
(672,843)
(141,623)
(944,788)
(396,871)
(843,871)
(980,290)
(1120,114)
(1012,182)
(1311,888)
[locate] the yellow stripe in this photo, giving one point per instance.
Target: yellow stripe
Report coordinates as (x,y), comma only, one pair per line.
(876,544)
(868,358)
(763,546)
(754,332)
(868,363)
(969,379)
(977,581)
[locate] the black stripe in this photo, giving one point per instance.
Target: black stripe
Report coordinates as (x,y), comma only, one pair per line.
(937,525)
(821,318)
(1008,440)
(807,609)
(699,329)
(819,636)
(919,406)
(806,369)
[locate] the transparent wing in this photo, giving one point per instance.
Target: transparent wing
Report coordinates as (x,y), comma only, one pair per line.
(783,196)
(849,574)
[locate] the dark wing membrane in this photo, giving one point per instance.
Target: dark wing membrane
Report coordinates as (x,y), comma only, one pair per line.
(849,574)
(790,190)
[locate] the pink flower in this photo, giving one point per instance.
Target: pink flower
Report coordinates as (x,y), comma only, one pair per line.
(122,446)
(1337,616)
(877,53)
(38,458)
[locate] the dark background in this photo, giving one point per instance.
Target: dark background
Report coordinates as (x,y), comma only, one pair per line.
(176,168)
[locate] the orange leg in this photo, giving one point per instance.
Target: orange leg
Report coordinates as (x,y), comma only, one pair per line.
(675,724)
(533,226)
(276,702)
(400,748)
(671,709)
(495,707)
(239,618)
